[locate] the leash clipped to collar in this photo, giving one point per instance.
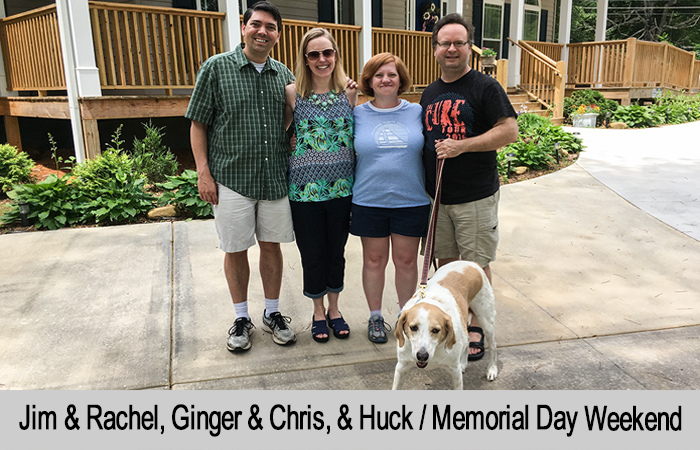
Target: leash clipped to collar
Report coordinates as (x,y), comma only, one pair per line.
(429,257)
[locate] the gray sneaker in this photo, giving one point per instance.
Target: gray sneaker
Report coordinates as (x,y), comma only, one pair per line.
(239,335)
(277,325)
(376,330)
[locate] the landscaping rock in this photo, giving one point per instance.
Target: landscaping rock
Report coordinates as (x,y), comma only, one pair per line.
(520,170)
(163,212)
(618,125)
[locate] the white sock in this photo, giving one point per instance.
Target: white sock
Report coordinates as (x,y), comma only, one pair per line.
(375,312)
(271,306)
(241,309)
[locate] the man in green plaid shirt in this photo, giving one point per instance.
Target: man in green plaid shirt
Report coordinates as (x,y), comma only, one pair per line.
(241,151)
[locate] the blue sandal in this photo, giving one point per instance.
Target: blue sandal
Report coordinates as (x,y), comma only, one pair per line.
(319,327)
(338,325)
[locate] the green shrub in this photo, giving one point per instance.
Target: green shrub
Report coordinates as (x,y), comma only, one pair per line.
(182,191)
(589,97)
(95,174)
(15,167)
(122,199)
(677,108)
(153,159)
(636,116)
(536,145)
(54,202)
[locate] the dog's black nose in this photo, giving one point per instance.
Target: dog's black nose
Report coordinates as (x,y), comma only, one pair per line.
(422,356)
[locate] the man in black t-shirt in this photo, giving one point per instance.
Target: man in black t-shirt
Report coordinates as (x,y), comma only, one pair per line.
(467,116)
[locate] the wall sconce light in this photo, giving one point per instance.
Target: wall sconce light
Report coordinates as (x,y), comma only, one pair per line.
(24,213)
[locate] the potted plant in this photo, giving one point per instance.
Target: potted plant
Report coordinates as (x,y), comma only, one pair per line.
(488,57)
(585,116)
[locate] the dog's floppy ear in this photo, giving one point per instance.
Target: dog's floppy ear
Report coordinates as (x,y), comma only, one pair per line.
(399,330)
(450,337)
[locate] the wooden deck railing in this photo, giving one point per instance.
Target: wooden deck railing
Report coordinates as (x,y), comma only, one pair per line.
(31,51)
(542,78)
(413,47)
(630,63)
(140,47)
(551,49)
(346,36)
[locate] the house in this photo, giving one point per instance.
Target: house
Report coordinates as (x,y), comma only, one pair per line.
(139,58)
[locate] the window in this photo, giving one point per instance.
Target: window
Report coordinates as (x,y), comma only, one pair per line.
(493,25)
(531,20)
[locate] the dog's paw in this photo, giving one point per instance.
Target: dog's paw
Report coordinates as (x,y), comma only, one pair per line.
(492,373)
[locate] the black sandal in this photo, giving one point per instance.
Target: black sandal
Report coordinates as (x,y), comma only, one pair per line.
(338,325)
(319,327)
(479,345)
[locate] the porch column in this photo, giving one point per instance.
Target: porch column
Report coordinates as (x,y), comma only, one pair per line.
(232,24)
(517,8)
(565,27)
(455,6)
(3,80)
(601,20)
(363,18)
(82,77)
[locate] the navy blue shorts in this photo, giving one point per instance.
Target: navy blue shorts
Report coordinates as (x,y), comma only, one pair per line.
(382,222)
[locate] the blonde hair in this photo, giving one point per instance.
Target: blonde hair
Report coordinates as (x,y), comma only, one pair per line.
(302,73)
(373,66)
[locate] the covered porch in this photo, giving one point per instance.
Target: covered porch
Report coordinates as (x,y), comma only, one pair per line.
(140,61)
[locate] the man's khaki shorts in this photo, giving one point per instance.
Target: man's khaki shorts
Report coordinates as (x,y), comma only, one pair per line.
(239,220)
(468,231)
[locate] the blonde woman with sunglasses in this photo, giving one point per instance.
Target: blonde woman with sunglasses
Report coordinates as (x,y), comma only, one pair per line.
(321,174)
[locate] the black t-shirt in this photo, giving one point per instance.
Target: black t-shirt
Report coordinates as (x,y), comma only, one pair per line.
(465,108)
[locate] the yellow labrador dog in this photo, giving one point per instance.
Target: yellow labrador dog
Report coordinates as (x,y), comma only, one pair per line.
(432,331)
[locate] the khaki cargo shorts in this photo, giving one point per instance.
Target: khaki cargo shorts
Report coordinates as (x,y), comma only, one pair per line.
(468,231)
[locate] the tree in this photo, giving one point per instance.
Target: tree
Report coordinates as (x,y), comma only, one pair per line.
(675,21)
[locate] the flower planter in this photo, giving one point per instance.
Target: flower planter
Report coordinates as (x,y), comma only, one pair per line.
(488,61)
(585,120)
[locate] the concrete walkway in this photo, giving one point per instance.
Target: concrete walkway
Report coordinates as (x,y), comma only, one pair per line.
(597,287)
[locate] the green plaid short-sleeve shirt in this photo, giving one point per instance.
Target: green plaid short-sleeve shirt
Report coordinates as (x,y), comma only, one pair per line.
(248,148)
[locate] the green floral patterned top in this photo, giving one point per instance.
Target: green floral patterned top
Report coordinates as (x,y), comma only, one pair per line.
(322,165)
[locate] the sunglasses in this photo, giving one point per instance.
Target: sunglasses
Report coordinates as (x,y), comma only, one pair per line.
(314,55)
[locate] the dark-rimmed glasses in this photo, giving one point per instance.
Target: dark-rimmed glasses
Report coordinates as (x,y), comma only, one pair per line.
(448,44)
(314,54)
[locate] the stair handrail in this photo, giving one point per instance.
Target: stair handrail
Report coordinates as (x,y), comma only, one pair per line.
(537,55)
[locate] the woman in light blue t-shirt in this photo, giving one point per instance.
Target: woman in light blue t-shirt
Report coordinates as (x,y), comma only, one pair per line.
(390,207)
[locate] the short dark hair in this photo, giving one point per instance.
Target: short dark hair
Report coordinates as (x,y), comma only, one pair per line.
(266,7)
(454,18)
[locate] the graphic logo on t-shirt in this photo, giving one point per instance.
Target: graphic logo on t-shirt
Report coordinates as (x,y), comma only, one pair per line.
(449,116)
(391,135)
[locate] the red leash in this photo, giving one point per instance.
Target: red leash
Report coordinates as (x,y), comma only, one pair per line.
(430,240)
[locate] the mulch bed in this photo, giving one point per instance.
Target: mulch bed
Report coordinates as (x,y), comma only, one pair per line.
(43,168)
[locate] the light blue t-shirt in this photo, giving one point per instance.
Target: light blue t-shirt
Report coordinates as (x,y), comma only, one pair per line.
(389,146)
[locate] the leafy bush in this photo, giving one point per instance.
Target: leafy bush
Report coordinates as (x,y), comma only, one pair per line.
(121,199)
(677,108)
(96,174)
(589,97)
(636,116)
(54,202)
(153,159)
(182,191)
(536,145)
(15,167)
